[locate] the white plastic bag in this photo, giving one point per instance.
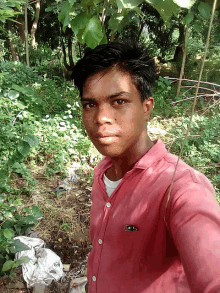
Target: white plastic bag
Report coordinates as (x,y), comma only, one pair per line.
(44,265)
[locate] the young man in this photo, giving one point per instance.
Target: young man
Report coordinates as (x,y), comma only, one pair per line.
(142,242)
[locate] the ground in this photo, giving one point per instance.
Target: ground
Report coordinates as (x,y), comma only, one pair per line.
(64,228)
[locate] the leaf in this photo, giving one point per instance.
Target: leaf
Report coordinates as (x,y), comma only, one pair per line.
(93,34)
(204,10)
(128,3)
(26,210)
(25,259)
(8,233)
(7,265)
(71,2)
(32,140)
(188,18)
(16,157)
(13,95)
(36,212)
(20,246)
(3,174)
(185,4)
(23,148)
(64,14)
(13,209)
(30,219)
(18,202)
(25,91)
(197,27)
(167,9)
(8,215)
(79,22)
(115,21)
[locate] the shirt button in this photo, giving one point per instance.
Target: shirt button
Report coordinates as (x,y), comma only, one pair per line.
(108,204)
(100,241)
(94,278)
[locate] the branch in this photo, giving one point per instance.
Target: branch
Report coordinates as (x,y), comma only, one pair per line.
(200,96)
(192,80)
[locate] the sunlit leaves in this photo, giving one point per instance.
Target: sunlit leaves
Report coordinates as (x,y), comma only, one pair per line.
(64,14)
(93,34)
(8,233)
(88,30)
(7,11)
(185,3)
(167,9)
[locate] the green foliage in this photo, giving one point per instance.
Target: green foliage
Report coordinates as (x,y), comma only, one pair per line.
(92,20)
(7,9)
(202,149)
(38,127)
(162,96)
(11,225)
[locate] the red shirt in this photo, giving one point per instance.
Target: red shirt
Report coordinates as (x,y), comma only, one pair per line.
(134,250)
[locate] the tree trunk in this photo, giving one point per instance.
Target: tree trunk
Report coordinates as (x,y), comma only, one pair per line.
(68,67)
(34,26)
(12,47)
(70,45)
(26,35)
(184,60)
(21,28)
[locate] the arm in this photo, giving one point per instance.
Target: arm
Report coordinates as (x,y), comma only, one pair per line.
(195,227)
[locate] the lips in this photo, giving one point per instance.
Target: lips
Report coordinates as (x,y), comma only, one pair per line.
(106,138)
(105,134)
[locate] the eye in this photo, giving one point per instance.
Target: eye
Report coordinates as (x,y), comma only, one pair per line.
(119,102)
(88,105)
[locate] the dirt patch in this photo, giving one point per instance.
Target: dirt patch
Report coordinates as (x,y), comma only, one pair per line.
(64,228)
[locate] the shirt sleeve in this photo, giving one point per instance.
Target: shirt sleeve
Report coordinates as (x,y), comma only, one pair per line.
(194,221)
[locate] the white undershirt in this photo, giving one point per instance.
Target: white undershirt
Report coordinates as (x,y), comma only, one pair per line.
(110,185)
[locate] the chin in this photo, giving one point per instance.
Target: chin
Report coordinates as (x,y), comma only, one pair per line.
(109,152)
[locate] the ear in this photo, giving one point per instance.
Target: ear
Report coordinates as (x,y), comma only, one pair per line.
(148,106)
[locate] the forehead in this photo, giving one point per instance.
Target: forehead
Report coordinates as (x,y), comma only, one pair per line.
(108,83)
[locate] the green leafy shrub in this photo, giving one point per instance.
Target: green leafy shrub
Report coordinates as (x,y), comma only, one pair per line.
(202,148)
(13,224)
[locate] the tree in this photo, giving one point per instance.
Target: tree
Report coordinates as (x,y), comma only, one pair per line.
(34,25)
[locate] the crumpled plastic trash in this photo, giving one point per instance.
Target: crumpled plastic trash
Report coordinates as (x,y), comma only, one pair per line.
(44,265)
(78,285)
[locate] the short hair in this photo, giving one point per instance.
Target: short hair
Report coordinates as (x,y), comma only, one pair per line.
(127,56)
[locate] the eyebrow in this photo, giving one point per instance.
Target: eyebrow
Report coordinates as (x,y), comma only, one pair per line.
(107,97)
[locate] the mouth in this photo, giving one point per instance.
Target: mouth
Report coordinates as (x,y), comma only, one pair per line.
(106,138)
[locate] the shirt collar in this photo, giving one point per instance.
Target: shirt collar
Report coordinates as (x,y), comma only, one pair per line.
(154,154)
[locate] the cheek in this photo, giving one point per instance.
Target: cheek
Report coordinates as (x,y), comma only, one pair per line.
(86,120)
(133,122)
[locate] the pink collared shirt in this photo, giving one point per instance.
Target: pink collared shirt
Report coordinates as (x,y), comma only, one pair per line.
(134,249)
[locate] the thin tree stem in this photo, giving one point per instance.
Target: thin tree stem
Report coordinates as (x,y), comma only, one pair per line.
(184,59)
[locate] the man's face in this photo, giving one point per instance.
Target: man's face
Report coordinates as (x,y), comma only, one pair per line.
(113,114)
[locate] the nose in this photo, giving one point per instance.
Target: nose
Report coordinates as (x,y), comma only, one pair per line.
(104,114)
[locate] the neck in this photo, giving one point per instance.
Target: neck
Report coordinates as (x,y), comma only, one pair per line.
(122,165)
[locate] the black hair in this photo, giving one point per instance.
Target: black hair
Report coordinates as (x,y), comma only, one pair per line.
(125,56)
